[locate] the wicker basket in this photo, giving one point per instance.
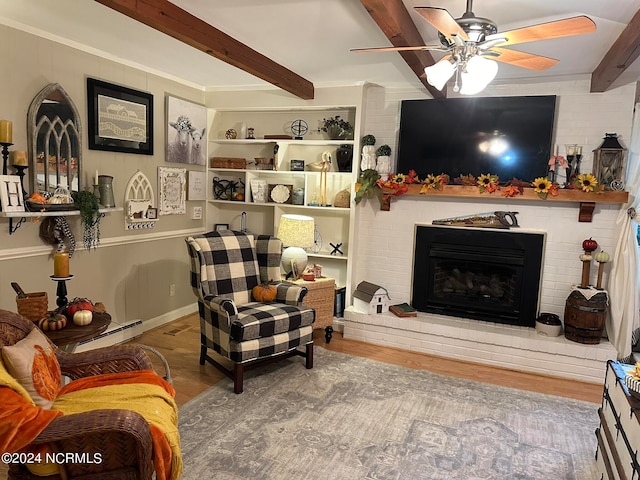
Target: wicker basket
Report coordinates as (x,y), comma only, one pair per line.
(321,296)
(34,306)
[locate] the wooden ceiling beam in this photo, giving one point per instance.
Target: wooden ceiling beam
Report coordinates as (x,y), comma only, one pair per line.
(166,17)
(621,55)
(395,22)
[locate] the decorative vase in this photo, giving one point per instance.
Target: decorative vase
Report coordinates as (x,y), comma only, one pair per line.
(334,132)
(344,154)
(105,186)
(368,158)
(383,165)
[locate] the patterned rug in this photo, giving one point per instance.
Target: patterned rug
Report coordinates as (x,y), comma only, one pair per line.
(354,418)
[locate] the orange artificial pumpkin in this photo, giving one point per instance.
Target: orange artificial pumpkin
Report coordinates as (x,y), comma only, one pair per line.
(264,292)
(57,322)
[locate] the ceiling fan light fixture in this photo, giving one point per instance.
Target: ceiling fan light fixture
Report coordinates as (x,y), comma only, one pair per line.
(479,73)
(439,73)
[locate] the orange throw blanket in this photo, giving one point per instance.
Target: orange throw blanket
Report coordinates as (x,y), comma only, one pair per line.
(21,421)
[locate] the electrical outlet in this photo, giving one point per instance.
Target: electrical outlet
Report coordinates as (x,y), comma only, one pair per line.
(172,290)
(196,213)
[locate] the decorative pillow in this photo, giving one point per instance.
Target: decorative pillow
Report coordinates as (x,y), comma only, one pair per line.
(33,363)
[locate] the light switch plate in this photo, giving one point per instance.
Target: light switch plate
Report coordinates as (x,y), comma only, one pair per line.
(196,213)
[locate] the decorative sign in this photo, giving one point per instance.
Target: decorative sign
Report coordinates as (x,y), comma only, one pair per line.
(11,194)
(172,183)
(196,189)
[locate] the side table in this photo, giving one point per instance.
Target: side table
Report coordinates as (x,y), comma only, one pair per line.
(321,297)
(68,338)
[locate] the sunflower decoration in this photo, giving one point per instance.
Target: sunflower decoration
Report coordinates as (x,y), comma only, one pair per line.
(432,182)
(395,182)
(586,182)
(542,186)
(488,183)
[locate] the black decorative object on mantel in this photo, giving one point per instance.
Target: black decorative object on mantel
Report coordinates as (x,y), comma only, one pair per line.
(5,156)
(344,154)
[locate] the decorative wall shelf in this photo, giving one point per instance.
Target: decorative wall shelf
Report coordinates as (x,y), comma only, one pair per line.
(66,213)
(587,200)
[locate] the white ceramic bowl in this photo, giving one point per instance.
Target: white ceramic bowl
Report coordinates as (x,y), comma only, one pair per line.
(548,324)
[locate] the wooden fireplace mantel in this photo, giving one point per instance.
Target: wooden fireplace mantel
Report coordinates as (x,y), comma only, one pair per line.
(586,200)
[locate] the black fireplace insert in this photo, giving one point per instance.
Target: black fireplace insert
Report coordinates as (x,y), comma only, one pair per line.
(478,273)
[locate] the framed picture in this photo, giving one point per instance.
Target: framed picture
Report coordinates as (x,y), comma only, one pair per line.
(11,198)
(297,165)
(221,226)
(172,185)
(196,185)
(152,213)
(186,126)
(120,119)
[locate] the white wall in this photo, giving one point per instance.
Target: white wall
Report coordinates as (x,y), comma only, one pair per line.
(385,239)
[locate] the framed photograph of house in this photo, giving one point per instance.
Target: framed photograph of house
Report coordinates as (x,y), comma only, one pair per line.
(172,184)
(196,185)
(11,199)
(120,119)
(186,129)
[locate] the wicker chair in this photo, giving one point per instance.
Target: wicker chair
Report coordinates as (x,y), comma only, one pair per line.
(225,266)
(122,437)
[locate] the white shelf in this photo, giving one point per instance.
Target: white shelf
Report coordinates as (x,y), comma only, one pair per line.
(310,143)
(65,213)
(286,205)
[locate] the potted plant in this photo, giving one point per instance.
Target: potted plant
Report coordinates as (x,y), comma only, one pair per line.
(337,128)
(90,216)
(383,162)
(368,153)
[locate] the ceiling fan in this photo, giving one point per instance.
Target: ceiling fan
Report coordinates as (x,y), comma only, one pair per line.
(471,42)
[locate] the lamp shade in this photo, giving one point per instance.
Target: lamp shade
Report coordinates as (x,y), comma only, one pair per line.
(477,75)
(440,73)
(296,233)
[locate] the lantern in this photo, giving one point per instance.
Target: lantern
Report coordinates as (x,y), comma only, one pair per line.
(609,162)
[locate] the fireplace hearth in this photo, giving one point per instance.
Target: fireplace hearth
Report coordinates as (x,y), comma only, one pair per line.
(478,273)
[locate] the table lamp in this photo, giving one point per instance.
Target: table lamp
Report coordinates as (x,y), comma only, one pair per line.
(296,233)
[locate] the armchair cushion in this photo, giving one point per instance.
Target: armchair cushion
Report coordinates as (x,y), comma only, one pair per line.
(32,362)
(258,320)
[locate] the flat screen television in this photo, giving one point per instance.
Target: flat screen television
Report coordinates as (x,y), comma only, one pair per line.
(505,136)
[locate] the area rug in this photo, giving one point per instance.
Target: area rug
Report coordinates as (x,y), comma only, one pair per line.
(355,418)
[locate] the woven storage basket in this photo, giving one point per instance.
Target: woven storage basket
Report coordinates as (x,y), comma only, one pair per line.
(34,307)
(321,296)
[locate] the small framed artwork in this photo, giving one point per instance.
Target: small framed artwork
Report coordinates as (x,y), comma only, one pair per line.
(120,119)
(172,189)
(11,198)
(186,132)
(152,213)
(297,165)
(221,226)
(196,185)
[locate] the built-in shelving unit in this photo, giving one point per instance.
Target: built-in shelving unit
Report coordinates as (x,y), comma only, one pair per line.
(335,225)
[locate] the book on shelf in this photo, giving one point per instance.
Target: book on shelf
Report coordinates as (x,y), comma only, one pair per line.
(403,310)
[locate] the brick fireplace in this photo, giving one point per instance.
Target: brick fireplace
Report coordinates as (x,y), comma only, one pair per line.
(385,257)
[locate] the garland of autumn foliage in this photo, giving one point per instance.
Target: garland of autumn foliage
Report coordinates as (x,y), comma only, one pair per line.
(371,184)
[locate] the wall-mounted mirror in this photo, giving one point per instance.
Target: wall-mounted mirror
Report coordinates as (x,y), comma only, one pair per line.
(55,148)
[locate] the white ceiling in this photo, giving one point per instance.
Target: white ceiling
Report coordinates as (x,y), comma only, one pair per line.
(313,37)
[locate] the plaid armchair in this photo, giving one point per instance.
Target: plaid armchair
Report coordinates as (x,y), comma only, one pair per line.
(225,266)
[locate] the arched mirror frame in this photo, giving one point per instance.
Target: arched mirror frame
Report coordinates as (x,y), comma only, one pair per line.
(52,136)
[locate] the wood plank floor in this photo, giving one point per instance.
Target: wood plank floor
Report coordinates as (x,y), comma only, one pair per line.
(179,342)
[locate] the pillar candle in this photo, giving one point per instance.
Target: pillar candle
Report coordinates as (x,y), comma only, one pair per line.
(96,181)
(555,150)
(19,158)
(6,131)
(61,265)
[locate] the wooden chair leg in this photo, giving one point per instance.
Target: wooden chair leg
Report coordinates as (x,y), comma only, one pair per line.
(238,378)
(309,355)
(203,354)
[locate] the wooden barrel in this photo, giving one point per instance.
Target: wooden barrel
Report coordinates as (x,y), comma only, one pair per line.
(584,318)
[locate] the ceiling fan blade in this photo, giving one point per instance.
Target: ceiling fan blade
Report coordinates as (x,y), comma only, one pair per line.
(522,59)
(443,21)
(399,49)
(543,31)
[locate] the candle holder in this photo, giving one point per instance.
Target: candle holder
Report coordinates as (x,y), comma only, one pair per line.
(5,156)
(20,172)
(61,290)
